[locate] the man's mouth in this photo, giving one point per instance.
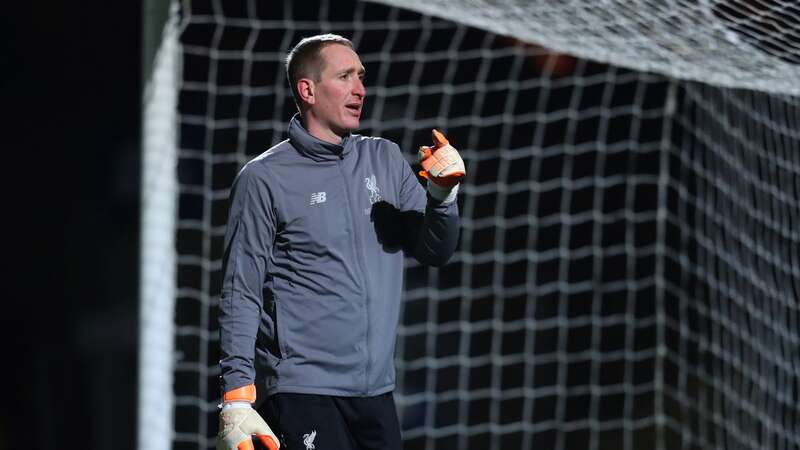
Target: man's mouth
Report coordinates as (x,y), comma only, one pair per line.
(355,108)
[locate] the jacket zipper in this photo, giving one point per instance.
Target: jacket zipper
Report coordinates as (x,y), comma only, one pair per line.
(360,262)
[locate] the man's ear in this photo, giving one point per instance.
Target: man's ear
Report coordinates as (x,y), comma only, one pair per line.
(305,87)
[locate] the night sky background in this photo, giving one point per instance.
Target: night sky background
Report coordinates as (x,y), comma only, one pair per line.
(71,95)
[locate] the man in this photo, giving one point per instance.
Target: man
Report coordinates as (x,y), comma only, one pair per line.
(312,268)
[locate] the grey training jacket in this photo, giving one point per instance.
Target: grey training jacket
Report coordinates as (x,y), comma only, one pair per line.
(313,264)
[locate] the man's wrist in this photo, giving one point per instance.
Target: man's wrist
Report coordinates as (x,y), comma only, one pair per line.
(241,394)
(242,397)
(442,194)
(235,405)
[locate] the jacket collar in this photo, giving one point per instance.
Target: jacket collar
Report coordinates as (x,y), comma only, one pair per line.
(314,148)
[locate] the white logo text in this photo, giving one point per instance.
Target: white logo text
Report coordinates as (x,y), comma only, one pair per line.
(317,197)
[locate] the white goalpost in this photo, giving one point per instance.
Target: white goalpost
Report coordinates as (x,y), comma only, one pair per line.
(155,397)
(628,272)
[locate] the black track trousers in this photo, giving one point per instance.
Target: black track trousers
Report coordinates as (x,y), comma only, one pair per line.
(324,422)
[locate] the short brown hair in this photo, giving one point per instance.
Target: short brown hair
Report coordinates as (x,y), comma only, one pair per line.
(303,60)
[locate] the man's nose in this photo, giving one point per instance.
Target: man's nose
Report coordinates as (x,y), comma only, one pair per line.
(359,89)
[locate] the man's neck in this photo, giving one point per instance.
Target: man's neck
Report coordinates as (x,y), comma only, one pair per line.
(320,132)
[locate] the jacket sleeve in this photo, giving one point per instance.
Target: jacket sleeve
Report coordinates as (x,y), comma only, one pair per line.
(431,227)
(248,246)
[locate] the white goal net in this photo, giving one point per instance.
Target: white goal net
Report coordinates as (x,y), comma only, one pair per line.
(628,274)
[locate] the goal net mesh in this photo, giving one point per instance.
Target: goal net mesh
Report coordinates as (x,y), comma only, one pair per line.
(628,272)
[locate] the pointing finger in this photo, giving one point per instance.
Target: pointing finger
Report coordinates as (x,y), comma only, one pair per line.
(438,138)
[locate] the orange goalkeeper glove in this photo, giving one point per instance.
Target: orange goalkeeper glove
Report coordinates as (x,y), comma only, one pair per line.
(443,167)
(239,422)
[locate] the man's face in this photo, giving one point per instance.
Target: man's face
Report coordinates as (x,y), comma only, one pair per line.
(339,93)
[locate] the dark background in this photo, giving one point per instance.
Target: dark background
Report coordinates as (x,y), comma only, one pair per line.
(72,102)
(71,275)
(71,94)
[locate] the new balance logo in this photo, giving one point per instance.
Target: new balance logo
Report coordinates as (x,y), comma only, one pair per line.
(308,438)
(317,197)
